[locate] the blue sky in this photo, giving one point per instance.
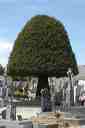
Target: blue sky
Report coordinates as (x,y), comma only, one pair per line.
(15,13)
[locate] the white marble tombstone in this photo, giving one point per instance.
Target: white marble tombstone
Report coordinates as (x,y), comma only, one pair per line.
(8,112)
(68,96)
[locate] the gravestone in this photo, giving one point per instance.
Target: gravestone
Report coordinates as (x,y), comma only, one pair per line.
(8,112)
(11,111)
(70,89)
(1,102)
(45,100)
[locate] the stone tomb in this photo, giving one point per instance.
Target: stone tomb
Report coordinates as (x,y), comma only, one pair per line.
(53,120)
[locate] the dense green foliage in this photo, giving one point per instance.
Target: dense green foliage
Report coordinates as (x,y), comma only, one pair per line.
(1,70)
(42,48)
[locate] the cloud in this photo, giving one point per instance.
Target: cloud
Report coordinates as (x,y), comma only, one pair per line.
(5,49)
(5,45)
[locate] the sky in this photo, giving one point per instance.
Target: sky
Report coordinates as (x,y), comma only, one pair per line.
(15,13)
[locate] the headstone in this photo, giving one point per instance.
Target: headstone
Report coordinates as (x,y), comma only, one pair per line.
(67,98)
(4,114)
(53,102)
(70,88)
(8,112)
(0,91)
(1,102)
(13,112)
(45,100)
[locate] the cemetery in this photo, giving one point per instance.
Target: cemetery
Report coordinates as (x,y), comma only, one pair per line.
(38,88)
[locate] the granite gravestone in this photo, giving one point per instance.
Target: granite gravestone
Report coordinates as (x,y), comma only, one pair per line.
(45,100)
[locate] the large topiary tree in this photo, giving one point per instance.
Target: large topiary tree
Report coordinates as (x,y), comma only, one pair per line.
(42,49)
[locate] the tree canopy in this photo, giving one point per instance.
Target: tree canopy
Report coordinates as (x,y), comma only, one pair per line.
(42,48)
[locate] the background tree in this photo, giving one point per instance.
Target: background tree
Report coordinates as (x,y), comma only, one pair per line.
(42,49)
(1,70)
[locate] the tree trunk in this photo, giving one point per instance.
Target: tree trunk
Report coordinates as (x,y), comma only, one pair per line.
(42,83)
